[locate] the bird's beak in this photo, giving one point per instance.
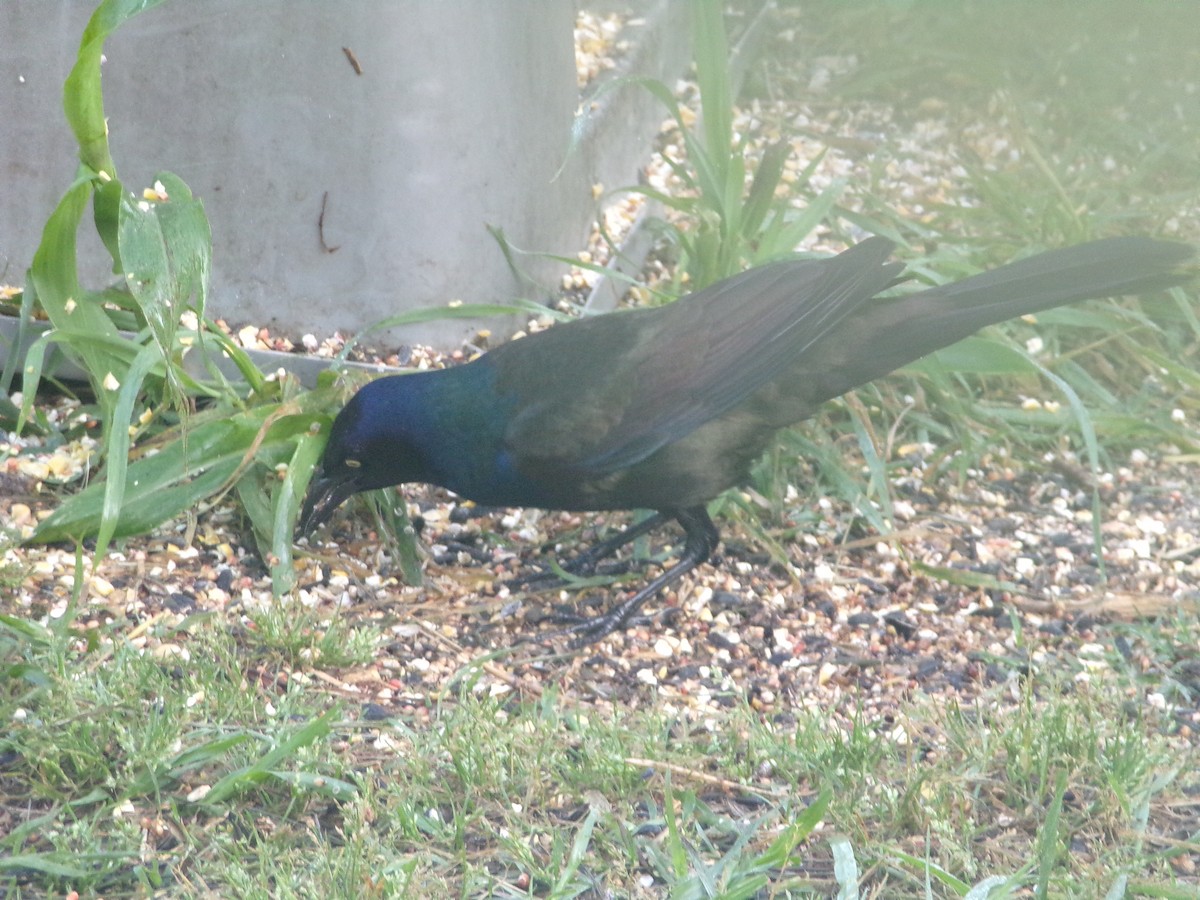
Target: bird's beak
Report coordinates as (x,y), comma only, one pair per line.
(325,494)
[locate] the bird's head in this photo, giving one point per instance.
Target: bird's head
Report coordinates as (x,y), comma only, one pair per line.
(366,450)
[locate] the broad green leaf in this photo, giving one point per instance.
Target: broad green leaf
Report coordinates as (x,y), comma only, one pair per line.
(24,327)
(57,283)
(166,491)
(182,474)
(166,247)
(396,527)
(106,205)
(82,98)
(83,103)
(250,373)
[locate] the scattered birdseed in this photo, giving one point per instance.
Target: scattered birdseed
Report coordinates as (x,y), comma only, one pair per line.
(848,627)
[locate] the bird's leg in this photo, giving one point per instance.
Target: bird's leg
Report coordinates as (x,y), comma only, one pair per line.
(585,562)
(701,538)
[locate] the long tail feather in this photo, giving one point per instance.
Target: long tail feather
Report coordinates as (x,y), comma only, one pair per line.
(890,333)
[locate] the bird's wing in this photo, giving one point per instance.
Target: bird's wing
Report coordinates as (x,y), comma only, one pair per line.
(599,395)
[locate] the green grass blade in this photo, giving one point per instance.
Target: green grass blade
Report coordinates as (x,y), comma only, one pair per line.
(289,495)
(761,197)
(445,313)
(878,484)
(796,229)
(931,869)
(259,386)
(59,865)
(391,514)
(1183,373)
(325,785)
(983,889)
(1085,384)
(252,495)
(967,578)
(977,355)
(710,50)
(269,764)
(27,631)
(578,856)
(117,445)
(1049,840)
(24,324)
(1087,431)
(845,867)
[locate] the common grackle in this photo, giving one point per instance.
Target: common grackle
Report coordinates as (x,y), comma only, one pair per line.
(665,408)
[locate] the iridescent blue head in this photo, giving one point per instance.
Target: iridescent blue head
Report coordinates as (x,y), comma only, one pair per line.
(371,445)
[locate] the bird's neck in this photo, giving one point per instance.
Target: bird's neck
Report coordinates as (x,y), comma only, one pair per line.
(454,421)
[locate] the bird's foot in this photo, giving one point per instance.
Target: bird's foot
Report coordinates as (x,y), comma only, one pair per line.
(586,564)
(583,630)
(702,538)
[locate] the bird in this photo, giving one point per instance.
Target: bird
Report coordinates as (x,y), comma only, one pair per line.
(664,408)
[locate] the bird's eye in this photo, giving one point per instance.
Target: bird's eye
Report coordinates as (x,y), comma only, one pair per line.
(353,464)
